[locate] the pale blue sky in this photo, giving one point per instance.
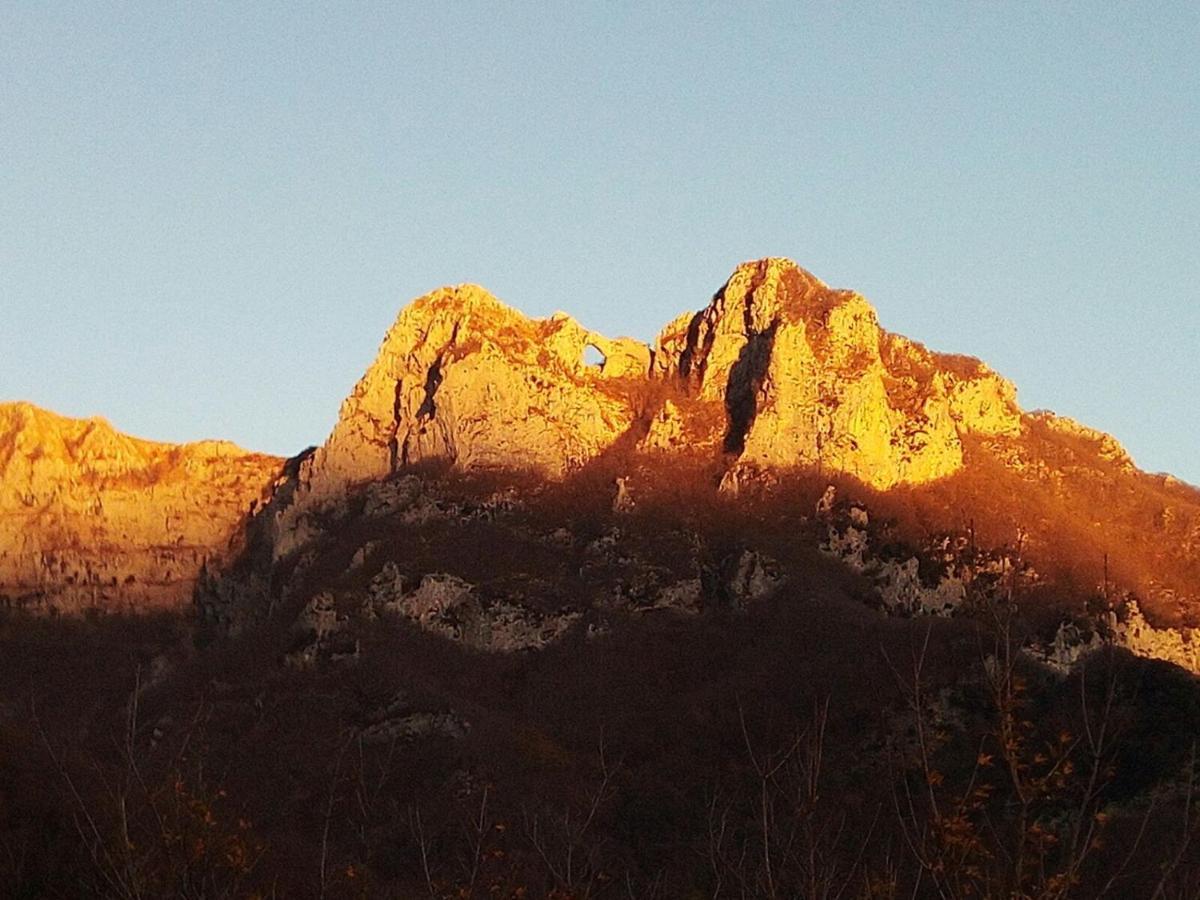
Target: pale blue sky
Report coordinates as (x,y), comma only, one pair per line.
(210,214)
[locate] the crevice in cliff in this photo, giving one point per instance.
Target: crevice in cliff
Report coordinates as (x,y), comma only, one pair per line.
(741,392)
(692,355)
(756,281)
(433,379)
(397,412)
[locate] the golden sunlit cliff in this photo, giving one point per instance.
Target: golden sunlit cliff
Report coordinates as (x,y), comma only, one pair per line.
(92,518)
(779,371)
(778,375)
(521,537)
(808,378)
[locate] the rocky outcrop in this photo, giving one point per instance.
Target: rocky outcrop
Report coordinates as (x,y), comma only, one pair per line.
(779,371)
(1124,626)
(321,635)
(808,378)
(1102,446)
(94,519)
(465,379)
(447,606)
(1131,630)
(901,586)
(667,431)
(754,577)
(945,576)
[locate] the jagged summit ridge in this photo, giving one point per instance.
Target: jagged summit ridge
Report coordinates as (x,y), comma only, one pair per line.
(808,378)
(778,371)
(38,447)
(462,377)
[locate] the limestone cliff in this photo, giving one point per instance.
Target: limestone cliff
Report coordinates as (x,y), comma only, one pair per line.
(464,379)
(808,378)
(778,371)
(90,517)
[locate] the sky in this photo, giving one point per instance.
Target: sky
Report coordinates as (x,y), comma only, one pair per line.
(211,213)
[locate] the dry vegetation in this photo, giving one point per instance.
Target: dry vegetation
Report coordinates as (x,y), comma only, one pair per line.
(807,747)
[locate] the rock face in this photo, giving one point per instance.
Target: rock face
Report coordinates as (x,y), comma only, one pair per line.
(779,371)
(902,588)
(1125,627)
(450,607)
(463,378)
(808,378)
(91,518)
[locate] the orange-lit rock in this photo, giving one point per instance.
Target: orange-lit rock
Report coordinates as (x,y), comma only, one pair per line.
(90,517)
(785,372)
(778,372)
(808,378)
(1106,447)
(464,379)
(667,431)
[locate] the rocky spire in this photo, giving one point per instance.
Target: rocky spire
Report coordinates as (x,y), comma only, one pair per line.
(808,378)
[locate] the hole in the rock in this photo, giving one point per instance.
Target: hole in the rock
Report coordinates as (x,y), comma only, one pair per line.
(593,357)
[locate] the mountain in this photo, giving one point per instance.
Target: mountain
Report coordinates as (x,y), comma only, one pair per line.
(781,605)
(779,371)
(92,518)
(779,378)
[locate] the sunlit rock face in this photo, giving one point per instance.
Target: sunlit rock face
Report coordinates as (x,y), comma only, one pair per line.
(1103,446)
(778,372)
(465,379)
(92,518)
(808,378)
(798,374)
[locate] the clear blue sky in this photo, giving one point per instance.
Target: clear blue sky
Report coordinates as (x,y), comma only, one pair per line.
(210,214)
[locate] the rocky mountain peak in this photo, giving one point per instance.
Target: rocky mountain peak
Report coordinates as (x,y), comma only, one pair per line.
(778,373)
(477,640)
(808,378)
(464,378)
(799,374)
